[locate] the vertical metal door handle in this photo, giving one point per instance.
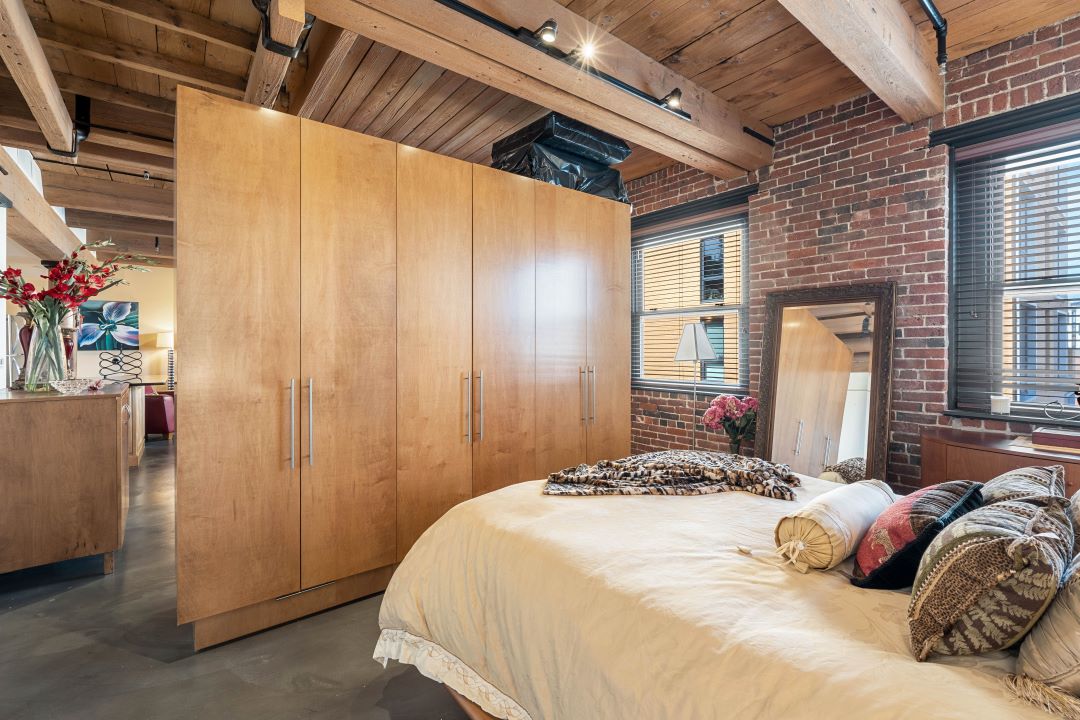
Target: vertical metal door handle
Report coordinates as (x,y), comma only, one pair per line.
(292,423)
(584,393)
(798,439)
(828,449)
(311,422)
(481,405)
(468,406)
(592,394)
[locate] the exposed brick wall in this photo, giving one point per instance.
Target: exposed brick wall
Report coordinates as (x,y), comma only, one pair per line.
(854,194)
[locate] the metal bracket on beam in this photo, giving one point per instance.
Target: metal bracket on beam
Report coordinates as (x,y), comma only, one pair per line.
(289,51)
(81,129)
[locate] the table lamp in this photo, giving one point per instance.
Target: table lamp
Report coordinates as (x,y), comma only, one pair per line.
(165,342)
(694,347)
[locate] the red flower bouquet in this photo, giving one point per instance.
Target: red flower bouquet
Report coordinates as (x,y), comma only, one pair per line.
(68,284)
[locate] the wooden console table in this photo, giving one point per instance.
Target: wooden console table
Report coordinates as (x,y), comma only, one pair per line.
(949,454)
(64,477)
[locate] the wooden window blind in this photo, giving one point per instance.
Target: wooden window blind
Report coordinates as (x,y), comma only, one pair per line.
(1015,275)
(694,274)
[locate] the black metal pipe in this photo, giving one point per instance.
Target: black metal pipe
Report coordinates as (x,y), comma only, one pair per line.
(941,29)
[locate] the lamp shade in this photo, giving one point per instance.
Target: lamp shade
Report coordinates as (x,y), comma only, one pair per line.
(165,340)
(694,345)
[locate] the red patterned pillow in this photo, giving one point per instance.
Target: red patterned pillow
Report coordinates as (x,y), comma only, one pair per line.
(888,556)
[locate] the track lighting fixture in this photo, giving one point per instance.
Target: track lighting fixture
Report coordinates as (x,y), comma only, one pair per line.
(584,52)
(547,32)
(672,100)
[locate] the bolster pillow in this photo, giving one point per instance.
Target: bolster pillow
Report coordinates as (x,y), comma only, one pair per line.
(829,528)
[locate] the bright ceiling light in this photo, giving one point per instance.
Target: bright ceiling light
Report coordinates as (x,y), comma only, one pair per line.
(547,32)
(672,100)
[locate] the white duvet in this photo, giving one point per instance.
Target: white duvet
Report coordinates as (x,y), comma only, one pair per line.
(624,608)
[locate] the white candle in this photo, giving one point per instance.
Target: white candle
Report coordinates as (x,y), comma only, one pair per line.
(1000,404)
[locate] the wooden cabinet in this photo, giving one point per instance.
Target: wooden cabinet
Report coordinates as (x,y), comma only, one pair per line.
(583,331)
(434,341)
(65,476)
(348,359)
(238,330)
(504,329)
(609,330)
(562,264)
(358,326)
(949,454)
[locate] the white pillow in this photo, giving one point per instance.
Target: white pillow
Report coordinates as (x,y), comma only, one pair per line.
(1051,651)
(829,528)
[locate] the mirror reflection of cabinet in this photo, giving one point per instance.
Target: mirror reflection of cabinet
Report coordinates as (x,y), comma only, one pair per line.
(813,369)
(826,375)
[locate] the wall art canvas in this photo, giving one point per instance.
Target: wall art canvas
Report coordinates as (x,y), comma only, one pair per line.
(109,325)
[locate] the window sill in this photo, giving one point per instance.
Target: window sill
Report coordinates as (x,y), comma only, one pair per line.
(1026,420)
(688,388)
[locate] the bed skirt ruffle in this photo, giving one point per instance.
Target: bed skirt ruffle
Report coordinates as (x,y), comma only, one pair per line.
(436,663)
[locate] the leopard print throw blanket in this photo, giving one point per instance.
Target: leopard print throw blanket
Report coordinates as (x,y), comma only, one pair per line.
(675,472)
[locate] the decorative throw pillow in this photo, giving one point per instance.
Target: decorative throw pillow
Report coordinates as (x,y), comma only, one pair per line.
(849,471)
(889,554)
(987,577)
(825,531)
(1025,482)
(1051,653)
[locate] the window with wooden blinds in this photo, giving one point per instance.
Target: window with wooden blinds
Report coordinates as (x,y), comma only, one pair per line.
(1015,294)
(694,274)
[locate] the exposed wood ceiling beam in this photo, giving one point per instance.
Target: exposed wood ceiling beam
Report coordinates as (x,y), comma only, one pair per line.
(32,223)
(187,23)
(92,153)
(159,247)
(268,68)
(26,62)
(714,141)
(138,58)
(75,85)
(330,49)
(155,261)
(119,198)
(878,41)
(92,220)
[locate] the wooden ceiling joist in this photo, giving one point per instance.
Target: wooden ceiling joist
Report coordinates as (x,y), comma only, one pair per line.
(714,140)
(96,90)
(32,223)
(268,69)
(92,153)
(119,198)
(26,62)
(330,51)
(92,220)
(186,23)
(153,247)
(879,42)
(138,58)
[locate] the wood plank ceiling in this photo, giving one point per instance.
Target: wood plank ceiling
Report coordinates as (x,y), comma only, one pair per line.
(129,55)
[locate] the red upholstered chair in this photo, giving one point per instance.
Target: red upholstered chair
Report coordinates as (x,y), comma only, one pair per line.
(160,413)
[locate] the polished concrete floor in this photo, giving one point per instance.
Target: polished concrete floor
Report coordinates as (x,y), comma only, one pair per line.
(77,644)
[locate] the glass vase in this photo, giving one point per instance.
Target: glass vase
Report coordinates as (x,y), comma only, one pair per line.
(735,446)
(45,360)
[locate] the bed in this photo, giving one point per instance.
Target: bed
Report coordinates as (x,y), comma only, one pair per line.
(657,607)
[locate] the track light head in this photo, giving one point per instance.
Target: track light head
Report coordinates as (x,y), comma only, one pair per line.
(672,100)
(547,32)
(584,52)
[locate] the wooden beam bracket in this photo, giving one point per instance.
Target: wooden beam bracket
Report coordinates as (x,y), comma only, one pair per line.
(290,51)
(80,128)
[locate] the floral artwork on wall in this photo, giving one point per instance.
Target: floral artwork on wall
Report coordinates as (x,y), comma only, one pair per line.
(109,325)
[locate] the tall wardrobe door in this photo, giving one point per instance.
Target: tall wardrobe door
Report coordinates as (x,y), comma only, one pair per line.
(348,463)
(238,335)
(609,330)
(562,260)
(434,348)
(504,329)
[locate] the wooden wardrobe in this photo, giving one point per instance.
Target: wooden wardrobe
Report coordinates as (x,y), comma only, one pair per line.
(369,334)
